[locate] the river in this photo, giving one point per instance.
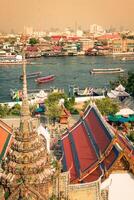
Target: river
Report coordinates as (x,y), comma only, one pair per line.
(68,71)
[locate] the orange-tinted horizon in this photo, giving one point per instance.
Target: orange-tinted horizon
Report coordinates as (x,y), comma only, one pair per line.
(45,14)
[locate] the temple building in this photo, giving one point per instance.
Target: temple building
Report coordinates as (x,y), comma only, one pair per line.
(97,157)
(27,173)
(118,93)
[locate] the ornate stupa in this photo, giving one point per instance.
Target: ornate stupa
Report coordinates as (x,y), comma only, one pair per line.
(26,169)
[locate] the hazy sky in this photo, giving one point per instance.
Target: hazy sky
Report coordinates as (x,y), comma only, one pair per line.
(44,14)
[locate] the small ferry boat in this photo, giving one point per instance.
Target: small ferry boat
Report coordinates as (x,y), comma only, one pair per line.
(31,75)
(45,79)
(106,71)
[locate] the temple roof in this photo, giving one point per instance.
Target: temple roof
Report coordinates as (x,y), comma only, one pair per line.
(5,138)
(89,148)
(120,88)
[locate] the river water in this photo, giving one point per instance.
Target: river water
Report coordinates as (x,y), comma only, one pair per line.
(68,71)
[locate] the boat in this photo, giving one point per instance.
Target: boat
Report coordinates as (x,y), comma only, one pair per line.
(127,58)
(10,62)
(87,92)
(16,95)
(13,60)
(7,56)
(31,75)
(45,79)
(106,70)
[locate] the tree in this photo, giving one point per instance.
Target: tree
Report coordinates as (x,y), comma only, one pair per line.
(69,105)
(127,81)
(130,83)
(4,110)
(56,96)
(33,41)
(106,106)
(120,80)
(15,110)
(53,111)
(131,136)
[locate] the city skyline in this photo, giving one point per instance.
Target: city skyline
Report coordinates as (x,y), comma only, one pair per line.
(44,14)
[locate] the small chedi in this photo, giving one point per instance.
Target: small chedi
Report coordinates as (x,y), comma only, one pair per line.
(26,169)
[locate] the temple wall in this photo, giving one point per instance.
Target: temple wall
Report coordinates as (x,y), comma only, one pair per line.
(82,191)
(87,191)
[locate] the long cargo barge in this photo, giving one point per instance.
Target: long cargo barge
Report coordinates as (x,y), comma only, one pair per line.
(106,70)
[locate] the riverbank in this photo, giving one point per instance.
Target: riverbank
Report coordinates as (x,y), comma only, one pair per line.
(68,71)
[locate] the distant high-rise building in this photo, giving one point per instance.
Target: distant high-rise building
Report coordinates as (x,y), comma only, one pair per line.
(96,29)
(28,30)
(79,33)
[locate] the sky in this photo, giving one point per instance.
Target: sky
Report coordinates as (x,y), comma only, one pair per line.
(46,14)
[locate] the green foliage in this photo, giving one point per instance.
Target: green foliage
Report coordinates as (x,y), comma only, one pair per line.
(53,111)
(4,110)
(69,104)
(56,97)
(131,136)
(120,80)
(6,195)
(107,106)
(130,83)
(74,111)
(15,110)
(33,108)
(78,45)
(33,41)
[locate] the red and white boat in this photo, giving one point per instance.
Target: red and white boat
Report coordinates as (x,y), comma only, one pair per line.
(45,79)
